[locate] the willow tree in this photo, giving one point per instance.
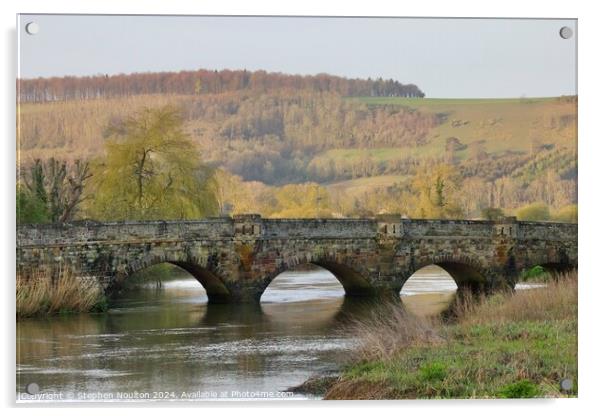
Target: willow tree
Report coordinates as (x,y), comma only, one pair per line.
(152,170)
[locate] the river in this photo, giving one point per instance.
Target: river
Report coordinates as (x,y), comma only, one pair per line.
(169,344)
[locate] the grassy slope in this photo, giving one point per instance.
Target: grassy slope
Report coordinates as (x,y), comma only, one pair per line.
(503,125)
(518,345)
(356,187)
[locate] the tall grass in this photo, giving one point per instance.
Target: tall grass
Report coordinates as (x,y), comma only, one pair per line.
(388,330)
(42,293)
(391,329)
(556,301)
(511,344)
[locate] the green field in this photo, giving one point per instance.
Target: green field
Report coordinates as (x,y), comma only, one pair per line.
(503,124)
(356,187)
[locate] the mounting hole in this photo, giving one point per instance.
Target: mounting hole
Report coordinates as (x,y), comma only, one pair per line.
(566,32)
(32,388)
(32,28)
(566,384)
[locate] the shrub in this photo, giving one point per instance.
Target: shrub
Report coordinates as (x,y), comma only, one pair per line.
(492,214)
(521,389)
(537,211)
(566,214)
(536,272)
(30,209)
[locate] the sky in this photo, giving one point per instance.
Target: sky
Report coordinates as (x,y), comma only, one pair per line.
(446,58)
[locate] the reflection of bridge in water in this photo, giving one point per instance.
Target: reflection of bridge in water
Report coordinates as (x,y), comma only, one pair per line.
(235,259)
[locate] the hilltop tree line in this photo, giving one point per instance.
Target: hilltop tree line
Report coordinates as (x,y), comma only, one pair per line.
(203,81)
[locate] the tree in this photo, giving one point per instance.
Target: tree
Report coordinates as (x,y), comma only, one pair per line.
(152,170)
(57,186)
(437,189)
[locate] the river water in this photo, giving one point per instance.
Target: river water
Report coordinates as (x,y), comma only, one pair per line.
(169,344)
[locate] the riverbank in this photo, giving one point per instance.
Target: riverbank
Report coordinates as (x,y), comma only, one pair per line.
(510,345)
(43,293)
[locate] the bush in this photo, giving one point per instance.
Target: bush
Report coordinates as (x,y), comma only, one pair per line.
(30,209)
(566,214)
(537,211)
(535,273)
(492,214)
(523,389)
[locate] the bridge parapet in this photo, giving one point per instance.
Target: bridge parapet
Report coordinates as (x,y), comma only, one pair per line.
(506,228)
(447,228)
(531,230)
(253,226)
(236,258)
(324,228)
(248,226)
(96,232)
(390,226)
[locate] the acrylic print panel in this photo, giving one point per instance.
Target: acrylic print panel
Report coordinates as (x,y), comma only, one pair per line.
(295,207)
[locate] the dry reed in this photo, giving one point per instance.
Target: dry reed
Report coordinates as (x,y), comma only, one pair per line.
(42,293)
(555,301)
(388,330)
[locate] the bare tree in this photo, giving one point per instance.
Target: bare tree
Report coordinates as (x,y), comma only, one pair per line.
(59,186)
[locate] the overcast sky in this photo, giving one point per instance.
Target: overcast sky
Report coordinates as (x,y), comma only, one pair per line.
(444,57)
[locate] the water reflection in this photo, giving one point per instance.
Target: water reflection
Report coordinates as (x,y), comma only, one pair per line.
(172,340)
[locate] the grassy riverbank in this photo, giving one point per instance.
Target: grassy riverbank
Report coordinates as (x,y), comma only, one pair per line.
(508,345)
(45,294)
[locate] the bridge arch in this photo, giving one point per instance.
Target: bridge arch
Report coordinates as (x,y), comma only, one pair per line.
(353,282)
(557,268)
(552,268)
(217,291)
(466,272)
(554,261)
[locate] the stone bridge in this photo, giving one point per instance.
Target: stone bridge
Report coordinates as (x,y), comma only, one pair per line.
(235,259)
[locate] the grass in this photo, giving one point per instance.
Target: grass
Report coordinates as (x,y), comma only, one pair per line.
(510,345)
(43,293)
(503,124)
(361,185)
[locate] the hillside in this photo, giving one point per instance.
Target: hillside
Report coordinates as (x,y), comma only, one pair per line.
(368,153)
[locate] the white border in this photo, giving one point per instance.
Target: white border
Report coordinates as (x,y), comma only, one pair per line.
(590,189)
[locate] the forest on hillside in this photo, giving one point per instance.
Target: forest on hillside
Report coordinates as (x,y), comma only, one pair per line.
(292,146)
(203,82)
